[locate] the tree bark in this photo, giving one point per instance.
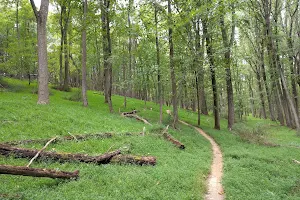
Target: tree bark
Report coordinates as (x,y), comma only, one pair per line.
(84,84)
(131,159)
(36,172)
(174,141)
(16,152)
(41,19)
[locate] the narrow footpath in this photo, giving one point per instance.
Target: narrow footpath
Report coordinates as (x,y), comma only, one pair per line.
(214,186)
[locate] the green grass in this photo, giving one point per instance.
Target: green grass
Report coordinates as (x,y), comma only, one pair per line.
(254,171)
(179,174)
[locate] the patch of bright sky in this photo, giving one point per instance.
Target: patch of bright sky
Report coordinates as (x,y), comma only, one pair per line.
(38,4)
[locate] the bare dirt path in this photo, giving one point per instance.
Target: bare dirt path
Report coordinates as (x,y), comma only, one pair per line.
(214,187)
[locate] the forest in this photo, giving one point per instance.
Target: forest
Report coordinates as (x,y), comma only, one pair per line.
(229,67)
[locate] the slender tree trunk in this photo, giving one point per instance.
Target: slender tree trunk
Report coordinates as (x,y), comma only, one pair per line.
(66,47)
(105,5)
(264,76)
(41,18)
(62,13)
(213,75)
(84,84)
(172,67)
(159,84)
(66,55)
(261,93)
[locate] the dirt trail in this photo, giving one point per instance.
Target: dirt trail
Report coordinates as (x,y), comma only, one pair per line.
(214,186)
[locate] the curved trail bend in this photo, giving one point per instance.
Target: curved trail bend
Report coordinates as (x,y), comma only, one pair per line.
(214,186)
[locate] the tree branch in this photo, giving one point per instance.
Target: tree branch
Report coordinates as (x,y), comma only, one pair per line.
(36,13)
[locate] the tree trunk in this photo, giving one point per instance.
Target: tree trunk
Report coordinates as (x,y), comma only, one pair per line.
(264,76)
(105,6)
(261,94)
(41,18)
(35,172)
(227,56)
(159,84)
(84,84)
(16,152)
(131,159)
(213,75)
(172,67)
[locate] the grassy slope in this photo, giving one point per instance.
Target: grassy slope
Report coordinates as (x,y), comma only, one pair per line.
(253,171)
(178,174)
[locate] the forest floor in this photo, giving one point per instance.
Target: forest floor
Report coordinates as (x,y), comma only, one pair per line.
(258,154)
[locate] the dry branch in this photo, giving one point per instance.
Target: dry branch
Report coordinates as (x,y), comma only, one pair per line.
(129,113)
(63,138)
(296,161)
(36,172)
(131,159)
(139,119)
(38,153)
(7,150)
(173,140)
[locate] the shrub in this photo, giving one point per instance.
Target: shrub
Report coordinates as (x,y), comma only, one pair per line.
(256,134)
(76,96)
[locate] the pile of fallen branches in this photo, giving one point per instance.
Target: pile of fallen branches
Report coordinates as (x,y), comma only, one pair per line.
(7,149)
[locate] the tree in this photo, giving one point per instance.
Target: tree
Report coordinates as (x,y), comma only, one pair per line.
(84,84)
(172,66)
(41,20)
(228,43)
(106,42)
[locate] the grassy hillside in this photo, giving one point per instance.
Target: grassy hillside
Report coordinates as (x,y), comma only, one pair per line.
(179,174)
(254,167)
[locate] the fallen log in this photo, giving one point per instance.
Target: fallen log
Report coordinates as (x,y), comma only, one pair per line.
(63,138)
(129,113)
(138,118)
(131,159)
(36,172)
(173,140)
(17,152)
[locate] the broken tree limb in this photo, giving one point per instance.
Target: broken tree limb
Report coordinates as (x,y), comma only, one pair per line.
(139,119)
(296,161)
(17,152)
(129,113)
(63,138)
(38,153)
(173,140)
(36,172)
(131,159)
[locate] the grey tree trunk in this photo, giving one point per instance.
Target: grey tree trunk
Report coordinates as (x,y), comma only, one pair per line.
(84,84)
(227,56)
(41,19)
(172,67)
